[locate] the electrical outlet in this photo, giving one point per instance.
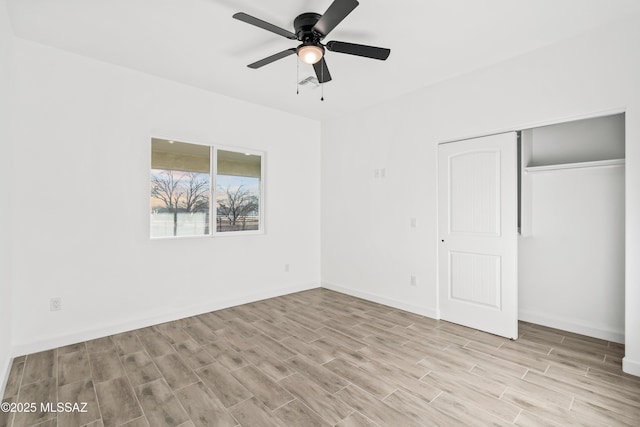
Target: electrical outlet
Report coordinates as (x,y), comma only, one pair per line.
(286,268)
(376,173)
(383,172)
(413,281)
(413,222)
(55,304)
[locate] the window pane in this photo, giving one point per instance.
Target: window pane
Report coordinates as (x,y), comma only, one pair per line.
(238,191)
(180,189)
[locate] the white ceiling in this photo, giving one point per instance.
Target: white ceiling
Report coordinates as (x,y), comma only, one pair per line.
(198,43)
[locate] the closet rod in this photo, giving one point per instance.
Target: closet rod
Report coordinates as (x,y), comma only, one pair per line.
(579,165)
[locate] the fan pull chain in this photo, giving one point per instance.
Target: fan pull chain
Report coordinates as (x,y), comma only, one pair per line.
(297,76)
(322,83)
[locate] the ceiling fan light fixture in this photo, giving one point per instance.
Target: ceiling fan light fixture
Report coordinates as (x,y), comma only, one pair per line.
(310,53)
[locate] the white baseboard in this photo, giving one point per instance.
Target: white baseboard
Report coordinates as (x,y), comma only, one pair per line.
(5,369)
(572,325)
(427,312)
(62,340)
(631,366)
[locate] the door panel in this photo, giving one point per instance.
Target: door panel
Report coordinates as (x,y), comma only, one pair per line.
(474,190)
(477,210)
(475,278)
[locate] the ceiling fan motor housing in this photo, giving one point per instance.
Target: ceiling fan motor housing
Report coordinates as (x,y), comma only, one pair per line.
(304,24)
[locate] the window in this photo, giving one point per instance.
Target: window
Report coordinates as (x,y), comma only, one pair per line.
(181,190)
(238,181)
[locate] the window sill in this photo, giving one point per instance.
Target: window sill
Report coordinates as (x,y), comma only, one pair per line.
(214,236)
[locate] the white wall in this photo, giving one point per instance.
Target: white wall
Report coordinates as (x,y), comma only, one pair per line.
(571,266)
(81,232)
(368,247)
(6,63)
(600,138)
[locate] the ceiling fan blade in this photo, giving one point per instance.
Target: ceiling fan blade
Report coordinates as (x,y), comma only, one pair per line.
(272,58)
(322,72)
(241,16)
(338,10)
(359,50)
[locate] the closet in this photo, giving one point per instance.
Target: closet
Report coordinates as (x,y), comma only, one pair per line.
(571,222)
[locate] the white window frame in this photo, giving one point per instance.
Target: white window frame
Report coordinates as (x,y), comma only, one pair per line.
(213,190)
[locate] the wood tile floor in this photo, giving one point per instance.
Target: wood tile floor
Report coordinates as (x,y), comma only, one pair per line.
(320,358)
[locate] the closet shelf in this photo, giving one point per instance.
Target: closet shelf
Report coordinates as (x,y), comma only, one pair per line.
(579,165)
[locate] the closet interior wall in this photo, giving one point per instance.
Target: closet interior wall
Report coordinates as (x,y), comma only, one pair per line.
(571,247)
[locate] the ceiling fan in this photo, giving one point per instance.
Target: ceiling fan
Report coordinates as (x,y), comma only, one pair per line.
(310,30)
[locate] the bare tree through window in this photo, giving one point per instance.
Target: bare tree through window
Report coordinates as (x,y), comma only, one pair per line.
(237,208)
(166,188)
(181,193)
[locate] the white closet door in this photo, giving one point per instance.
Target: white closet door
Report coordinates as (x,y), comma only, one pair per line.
(477,216)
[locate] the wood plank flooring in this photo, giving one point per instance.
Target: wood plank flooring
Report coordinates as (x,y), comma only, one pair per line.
(320,358)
